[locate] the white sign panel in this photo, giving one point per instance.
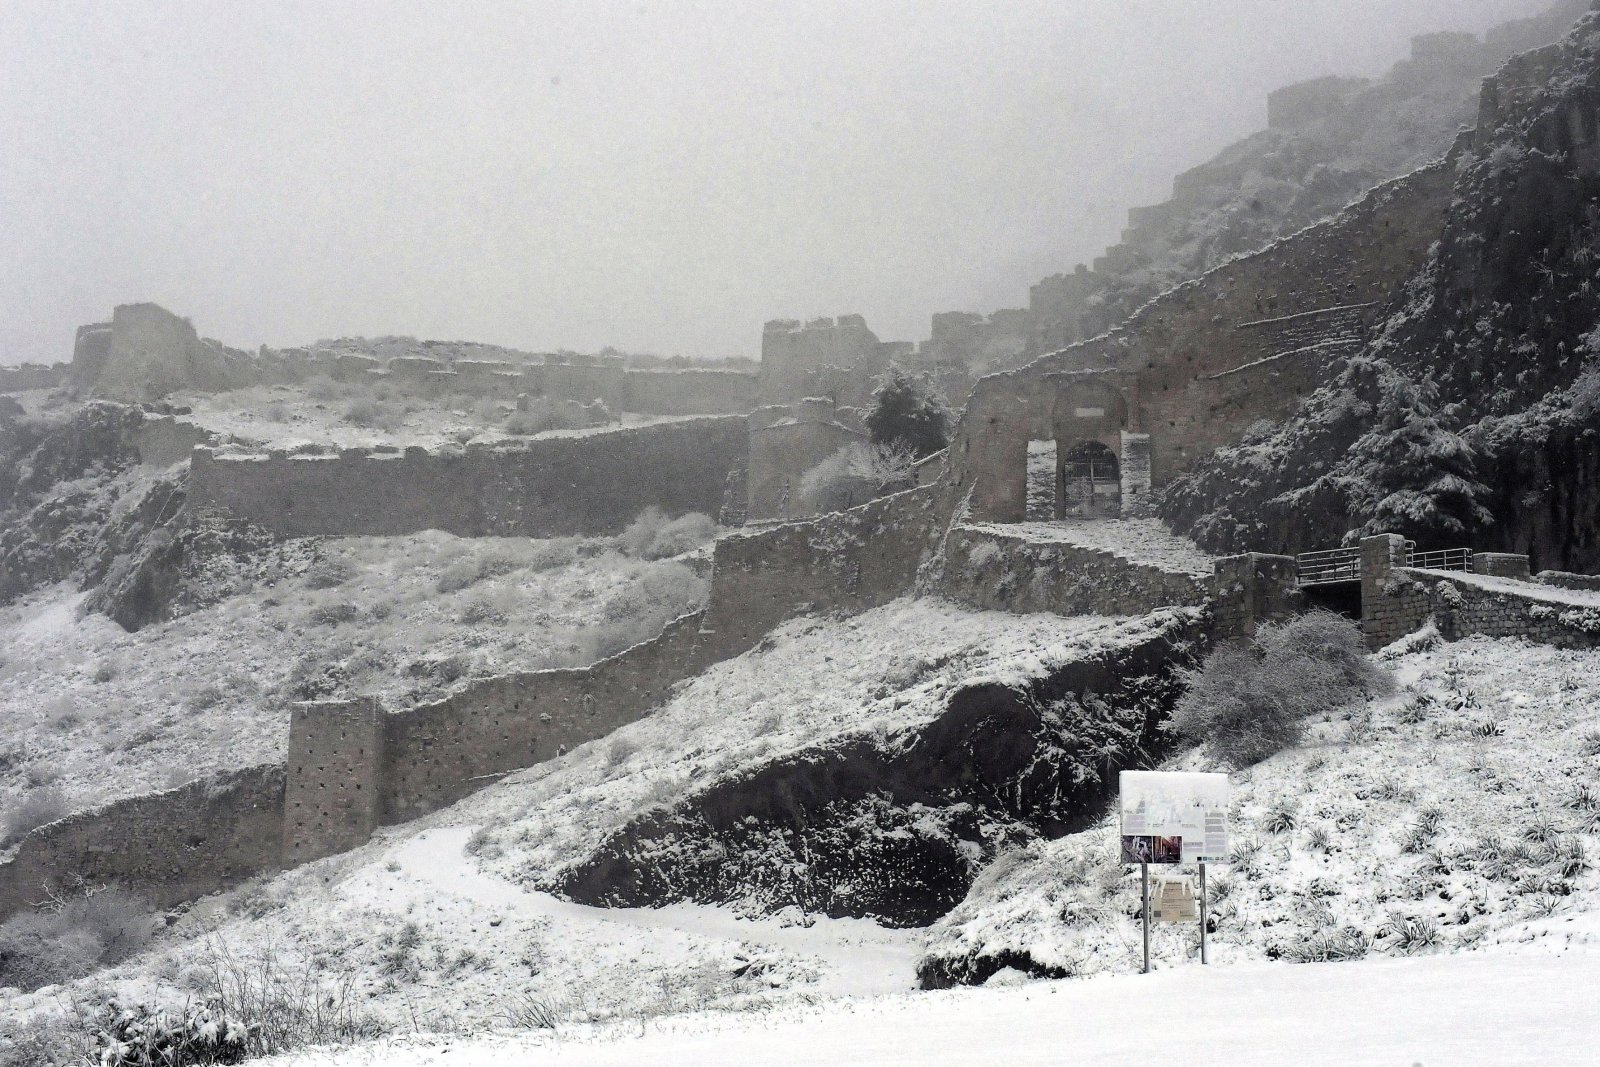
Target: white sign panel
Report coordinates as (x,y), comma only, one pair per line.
(1189,806)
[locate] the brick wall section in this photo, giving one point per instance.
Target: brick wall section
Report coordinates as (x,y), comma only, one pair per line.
(168,847)
(549,487)
(990,569)
(334,793)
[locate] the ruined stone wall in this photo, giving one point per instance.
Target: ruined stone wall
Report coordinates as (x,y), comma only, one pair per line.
(846,562)
(997,568)
(795,355)
(26,376)
(151,352)
(438,753)
(1462,605)
(167,847)
(162,440)
(689,392)
(1199,365)
(785,444)
(554,486)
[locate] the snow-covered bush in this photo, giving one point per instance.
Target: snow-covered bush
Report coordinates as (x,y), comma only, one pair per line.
(1251,699)
(72,939)
(36,809)
(651,535)
(854,475)
(145,1037)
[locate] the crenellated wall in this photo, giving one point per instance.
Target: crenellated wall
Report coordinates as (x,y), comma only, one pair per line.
(552,486)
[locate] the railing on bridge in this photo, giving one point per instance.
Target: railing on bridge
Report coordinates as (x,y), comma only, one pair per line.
(1332,565)
(1443,559)
(1344,564)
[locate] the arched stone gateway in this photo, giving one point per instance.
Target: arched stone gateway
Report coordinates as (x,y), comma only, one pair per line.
(1088,482)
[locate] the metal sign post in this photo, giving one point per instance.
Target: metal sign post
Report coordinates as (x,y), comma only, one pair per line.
(1168,818)
(1144,910)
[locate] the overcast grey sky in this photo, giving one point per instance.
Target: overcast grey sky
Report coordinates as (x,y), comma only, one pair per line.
(656,176)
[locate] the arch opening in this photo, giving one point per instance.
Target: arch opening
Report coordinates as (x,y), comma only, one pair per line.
(1088,482)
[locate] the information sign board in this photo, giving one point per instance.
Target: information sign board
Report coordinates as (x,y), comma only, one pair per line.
(1191,806)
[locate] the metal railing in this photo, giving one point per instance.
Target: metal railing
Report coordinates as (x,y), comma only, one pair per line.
(1344,564)
(1329,566)
(1442,559)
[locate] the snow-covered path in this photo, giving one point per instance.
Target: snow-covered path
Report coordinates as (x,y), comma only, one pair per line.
(1444,1011)
(859,957)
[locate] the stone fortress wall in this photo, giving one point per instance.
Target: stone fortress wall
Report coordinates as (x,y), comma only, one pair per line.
(558,485)
(1196,367)
(1187,373)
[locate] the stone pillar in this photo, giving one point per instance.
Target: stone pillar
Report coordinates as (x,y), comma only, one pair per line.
(334,792)
(1502,565)
(1135,467)
(1252,588)
(1387,613)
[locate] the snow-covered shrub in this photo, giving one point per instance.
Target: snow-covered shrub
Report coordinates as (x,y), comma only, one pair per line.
(1251,699)
(651,535)
(1409,935)
(854,475)
(328,573)
(36,809)
(1281,817)
(146,1037)
(72,938)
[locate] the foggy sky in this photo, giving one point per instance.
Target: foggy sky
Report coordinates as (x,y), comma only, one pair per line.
(655,176)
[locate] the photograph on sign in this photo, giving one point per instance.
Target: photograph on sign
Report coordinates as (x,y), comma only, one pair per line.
(1188,805)
(1143,848)
(1173,899)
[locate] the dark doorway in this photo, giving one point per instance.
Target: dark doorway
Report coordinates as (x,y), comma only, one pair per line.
(1089,482)
(1343,598)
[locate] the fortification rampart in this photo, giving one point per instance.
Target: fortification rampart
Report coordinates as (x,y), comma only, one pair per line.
(999,568)
(168,847)
(1197,366)
(552,486)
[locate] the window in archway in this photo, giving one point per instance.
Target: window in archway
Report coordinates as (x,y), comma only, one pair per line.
(1090,482)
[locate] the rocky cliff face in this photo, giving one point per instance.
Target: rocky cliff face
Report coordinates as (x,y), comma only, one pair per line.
(1327,142)
(1471,416)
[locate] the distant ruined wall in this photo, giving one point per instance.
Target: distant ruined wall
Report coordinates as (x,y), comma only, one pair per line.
(162,440)
(689,392)
(167,847)
(150,352)
(26,376)
(552,486)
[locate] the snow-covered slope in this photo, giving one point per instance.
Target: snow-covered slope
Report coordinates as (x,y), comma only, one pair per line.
(96,713)
(1443,819)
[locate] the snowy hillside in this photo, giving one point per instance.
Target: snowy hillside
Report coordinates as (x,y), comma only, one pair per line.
(1442,820)
(98,713)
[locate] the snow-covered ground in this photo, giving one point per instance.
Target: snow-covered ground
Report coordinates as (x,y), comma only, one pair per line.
(95,712)
(1446,833)
(1146,541)
(1483,1009)
(1441,819)
(338,415)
